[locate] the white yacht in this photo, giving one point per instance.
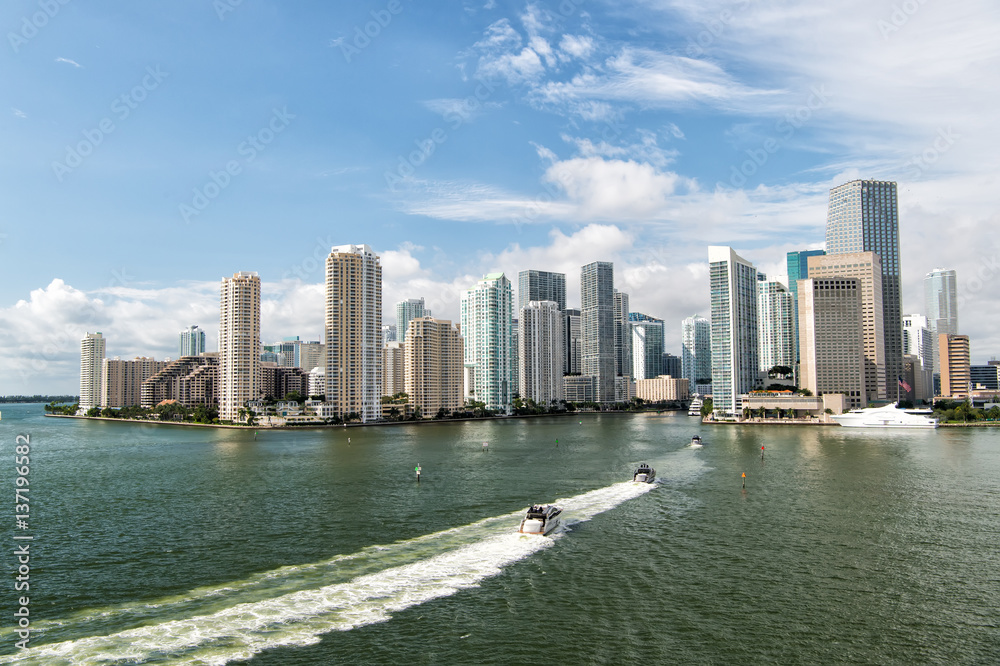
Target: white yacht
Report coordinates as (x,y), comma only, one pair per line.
(888,416)
(540,519)
(694,409)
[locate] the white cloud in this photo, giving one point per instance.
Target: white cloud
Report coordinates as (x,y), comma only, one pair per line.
(69,62)
(18,112)
(577,46)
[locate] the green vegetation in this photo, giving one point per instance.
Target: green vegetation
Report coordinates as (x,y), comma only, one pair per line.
(39,398)
(954,411)
(68,410)
(168,412)
(706,407)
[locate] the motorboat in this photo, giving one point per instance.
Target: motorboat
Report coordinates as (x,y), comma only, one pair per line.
(887,416)
(644,474)
(696,440)
(540,519)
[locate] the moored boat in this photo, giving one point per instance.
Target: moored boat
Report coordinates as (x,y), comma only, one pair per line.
(644,474)
(887,416)
(540,519)
(694,409)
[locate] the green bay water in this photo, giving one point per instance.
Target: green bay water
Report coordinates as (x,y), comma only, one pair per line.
(156,544)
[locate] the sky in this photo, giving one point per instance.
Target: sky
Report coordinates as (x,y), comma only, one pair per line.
(150,149)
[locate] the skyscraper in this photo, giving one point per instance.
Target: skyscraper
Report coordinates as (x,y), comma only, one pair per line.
(919,342)
(647,349)
(393,368)
(864,217)
(354,331)
(954,355)
(831,337)
(540,355)
(572,343)
(91,366)
(696,351)
(623,336)
(733,282)
(941,304)
(541,286)
(775,325)
(239,343)
(433,360)
(486,328)
(406,310)
(597,324)
(388,333)
(797,265)
(864,266)
(122,380)
(192,341)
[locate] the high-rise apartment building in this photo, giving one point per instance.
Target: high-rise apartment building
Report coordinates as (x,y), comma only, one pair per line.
(941,304)
(394,368)
(864,217)
(735,364)
(831,341)
(647,349)
(572,343)
(486,329)
(541,286)
(92,353)
(540,327)
(597,324)
(797,267)
(866,267)
(312,354)
(239,343)
(192,341)
(388,333)
(955,359)
(434,353)
(515,355)
(775,325)
(623,336)
(406,310)
(919,343)
(696,351)
(354,332)
(122,385)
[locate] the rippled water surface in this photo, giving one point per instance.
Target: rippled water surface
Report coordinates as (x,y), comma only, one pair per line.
(187,545)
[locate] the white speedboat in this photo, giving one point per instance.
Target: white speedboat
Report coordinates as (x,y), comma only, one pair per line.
(696,441)
(644,474)
(540,519)
(888,416)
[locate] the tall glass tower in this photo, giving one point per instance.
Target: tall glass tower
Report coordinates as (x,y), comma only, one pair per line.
(864,217)
(696,351)
(797,264)
(541,286)
(941,305)
(597,327)
(733,282)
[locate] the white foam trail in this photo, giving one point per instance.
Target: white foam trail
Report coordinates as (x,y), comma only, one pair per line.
(300,618)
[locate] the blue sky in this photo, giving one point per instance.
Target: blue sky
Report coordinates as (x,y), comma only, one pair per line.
(151,149)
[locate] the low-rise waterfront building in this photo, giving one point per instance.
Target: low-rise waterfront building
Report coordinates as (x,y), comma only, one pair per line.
(664,388)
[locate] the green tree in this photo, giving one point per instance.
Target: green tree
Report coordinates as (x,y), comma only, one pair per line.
(706,407)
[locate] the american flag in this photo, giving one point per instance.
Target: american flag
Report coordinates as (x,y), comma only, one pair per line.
(906,387)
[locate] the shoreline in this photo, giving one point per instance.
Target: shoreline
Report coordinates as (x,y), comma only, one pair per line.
(326,426)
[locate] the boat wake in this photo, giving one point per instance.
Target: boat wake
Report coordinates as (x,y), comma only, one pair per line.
(296,605)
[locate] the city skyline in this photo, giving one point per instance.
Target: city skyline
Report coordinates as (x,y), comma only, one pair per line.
(523,137)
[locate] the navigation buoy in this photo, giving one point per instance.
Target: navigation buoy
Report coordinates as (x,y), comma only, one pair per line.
(744,479)
(417,470)
(761,451)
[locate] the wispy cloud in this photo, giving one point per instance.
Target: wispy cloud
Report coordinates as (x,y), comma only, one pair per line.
(18,112)
(69,62)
